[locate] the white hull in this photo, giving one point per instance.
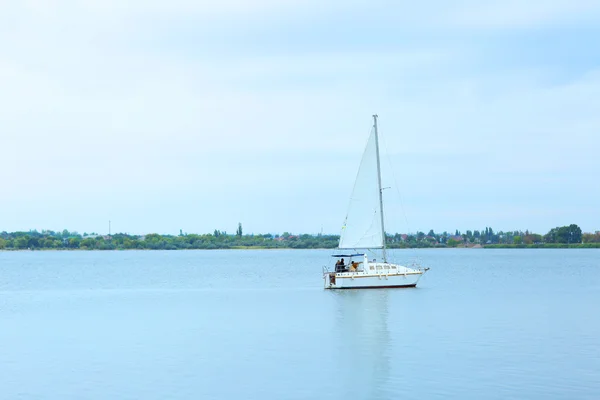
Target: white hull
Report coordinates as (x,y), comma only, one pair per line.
(376,275)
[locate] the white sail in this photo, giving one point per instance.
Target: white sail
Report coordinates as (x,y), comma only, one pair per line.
(362,226)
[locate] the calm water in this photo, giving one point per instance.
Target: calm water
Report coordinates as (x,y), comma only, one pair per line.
(482,324)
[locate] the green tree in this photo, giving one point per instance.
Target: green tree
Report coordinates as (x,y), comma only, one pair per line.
(536,238)
(452,243)
(564,234)
(443,238)
(88,243)
(239,230)
(588,237)
(130,243)
(33,242)
(21,242)
(574,234)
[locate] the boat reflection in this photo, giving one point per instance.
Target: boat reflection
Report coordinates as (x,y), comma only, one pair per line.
(363,344)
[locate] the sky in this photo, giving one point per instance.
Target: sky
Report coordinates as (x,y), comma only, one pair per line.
(195,115)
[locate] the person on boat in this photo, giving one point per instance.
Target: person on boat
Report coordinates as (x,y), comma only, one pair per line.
(343,266)
(354,265)
(338,266)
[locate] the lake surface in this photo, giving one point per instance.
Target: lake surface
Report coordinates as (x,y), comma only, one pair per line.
(482,324)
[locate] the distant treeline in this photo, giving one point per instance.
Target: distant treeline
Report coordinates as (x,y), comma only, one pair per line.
(562,236)
(217,240)
(559,237)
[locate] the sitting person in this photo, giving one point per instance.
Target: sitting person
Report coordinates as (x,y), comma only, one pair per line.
(354,265)
(339,266)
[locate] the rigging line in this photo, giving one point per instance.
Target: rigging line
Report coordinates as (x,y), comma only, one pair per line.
(387,153)
(395,181)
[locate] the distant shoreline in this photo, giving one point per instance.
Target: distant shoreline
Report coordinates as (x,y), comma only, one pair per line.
(563,237)
(489,246)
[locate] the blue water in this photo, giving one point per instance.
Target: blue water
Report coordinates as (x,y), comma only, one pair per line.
(482,324)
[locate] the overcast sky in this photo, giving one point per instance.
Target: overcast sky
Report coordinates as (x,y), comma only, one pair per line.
(197,115)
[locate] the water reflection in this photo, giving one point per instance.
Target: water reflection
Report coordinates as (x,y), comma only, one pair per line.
(363,344)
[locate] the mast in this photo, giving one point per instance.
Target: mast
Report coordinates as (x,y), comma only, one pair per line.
(379,186)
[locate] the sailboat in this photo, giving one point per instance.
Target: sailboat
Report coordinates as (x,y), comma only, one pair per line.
(363,231)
